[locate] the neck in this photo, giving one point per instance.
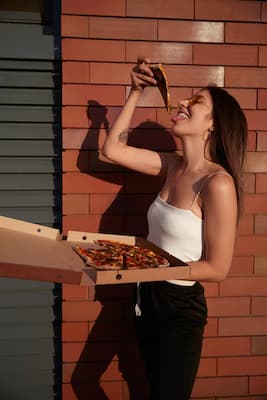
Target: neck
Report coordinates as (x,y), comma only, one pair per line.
(195,157)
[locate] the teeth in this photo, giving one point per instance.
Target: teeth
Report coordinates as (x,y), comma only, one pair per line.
(182,115)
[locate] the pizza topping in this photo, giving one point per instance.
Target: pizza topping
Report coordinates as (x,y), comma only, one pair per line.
(118,255)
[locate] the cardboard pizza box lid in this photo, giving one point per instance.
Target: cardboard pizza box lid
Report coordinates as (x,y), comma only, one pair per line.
(36,252)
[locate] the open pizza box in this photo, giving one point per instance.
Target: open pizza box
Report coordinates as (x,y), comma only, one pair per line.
(36,252)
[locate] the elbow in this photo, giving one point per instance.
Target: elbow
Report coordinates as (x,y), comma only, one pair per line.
(219,273)
(219,277)
(107,152)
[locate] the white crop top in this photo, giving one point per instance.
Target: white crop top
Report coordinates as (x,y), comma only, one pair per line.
(176,230)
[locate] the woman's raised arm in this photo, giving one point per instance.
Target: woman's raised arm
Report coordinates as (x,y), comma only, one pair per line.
(115,147)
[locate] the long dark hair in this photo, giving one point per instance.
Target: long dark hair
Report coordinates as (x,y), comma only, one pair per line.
(228,142)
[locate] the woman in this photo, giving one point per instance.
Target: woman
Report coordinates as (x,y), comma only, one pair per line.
(194,218)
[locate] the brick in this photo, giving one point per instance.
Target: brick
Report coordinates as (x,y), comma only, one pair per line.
(122,28)
(137,183)
(242,266)
(160,52)
(94,223)
(262,98)
(81,310)
(211,329)
(244,286)
(211,289)
(242,326)
(75,204)
(242,366)
(245,33)
(225,54)
(262,56)
(81,94)
(247,98)
(161,9)
(246,77)
(194,76)
(220,386)
(90,351)
(227,10)
(110,73)
(262,141)
(93,50)
(222,347)
(258,385)
(251,245)
(219,307)
(74,26)
(74,331)
(83,138)
(259,345)
(75,72)
(113,204)
(256,162)
(90,310)
(75,117)
(75,182)
(207,367)
(100,7)
(255,203)
(252,141)
(246,225)
(190,31)
(264,11)
(242,398)
(74,292)
(260,224)
(259,306)
(249,183)
(256,119)
(75,160)
(261,265)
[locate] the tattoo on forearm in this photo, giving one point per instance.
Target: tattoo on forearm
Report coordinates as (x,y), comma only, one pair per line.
(123,136)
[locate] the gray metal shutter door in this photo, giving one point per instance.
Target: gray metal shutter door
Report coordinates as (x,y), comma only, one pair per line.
(30,190)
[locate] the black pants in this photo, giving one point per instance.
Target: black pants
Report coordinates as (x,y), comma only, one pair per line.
(170,332)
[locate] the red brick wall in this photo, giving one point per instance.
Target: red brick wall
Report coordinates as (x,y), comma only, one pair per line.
(198,41)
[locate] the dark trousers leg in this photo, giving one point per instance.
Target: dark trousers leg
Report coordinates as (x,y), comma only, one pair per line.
(171,358)
(171,341)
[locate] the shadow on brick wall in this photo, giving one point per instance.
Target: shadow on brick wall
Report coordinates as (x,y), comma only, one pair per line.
(110,366)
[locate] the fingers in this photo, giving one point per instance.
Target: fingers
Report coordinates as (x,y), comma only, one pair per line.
(142,74)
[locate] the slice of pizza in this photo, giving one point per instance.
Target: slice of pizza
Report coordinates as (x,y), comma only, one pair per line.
(161,78)
(102,259)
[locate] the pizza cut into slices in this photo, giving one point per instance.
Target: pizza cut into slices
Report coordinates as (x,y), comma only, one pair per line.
(134,257)
(161,78)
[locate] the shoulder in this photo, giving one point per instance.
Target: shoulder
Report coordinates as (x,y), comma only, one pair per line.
(219,188)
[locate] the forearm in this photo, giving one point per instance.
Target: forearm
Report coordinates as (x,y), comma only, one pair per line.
(118,134)
(207,272)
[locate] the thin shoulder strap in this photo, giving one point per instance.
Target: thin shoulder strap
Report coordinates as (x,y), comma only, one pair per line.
(203,184)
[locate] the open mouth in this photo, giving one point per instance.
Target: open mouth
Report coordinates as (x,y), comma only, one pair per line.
(182,115)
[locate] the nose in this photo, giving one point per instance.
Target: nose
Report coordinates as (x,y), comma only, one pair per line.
(184,103)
